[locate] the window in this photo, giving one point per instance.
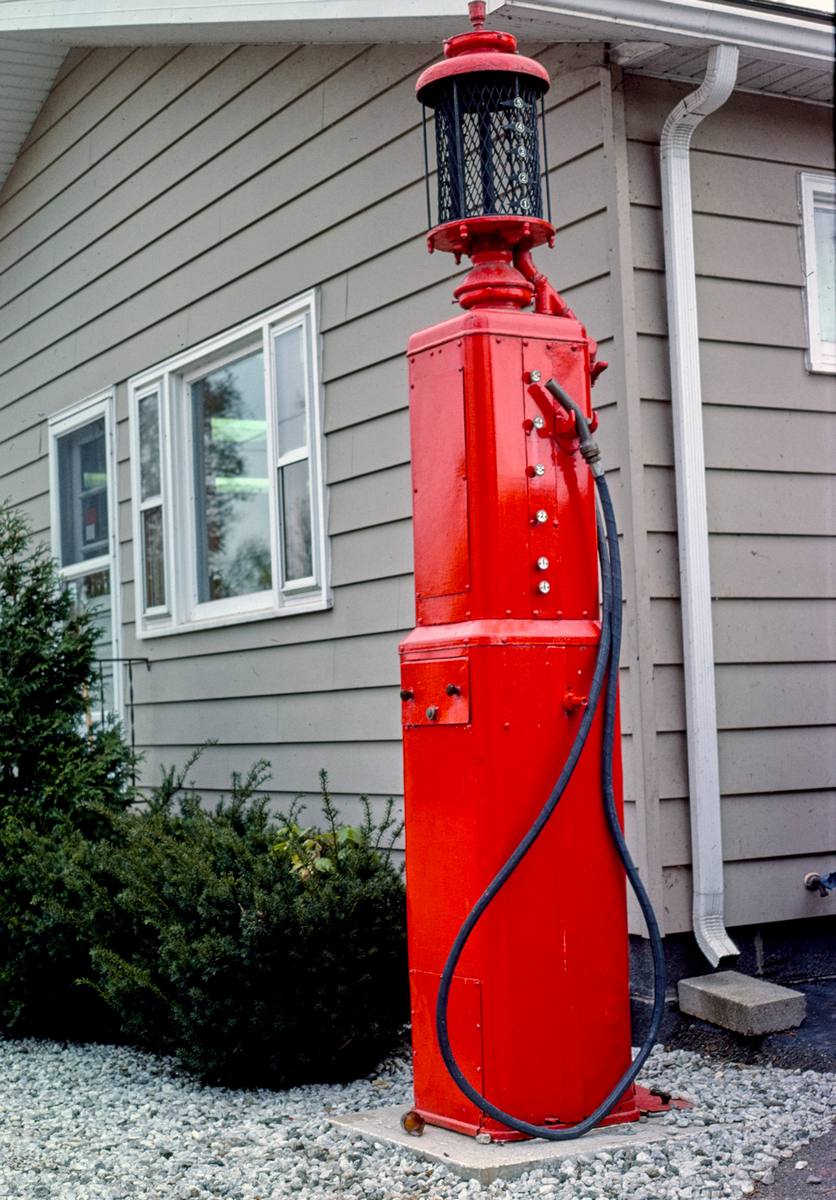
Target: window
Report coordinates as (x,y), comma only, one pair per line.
(818,217)
(227,478)
(82,493)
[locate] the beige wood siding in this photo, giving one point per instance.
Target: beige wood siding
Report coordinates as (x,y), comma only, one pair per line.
(167,194)
(770,445)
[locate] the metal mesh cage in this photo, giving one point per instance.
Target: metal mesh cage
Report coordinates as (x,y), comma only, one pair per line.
(487,146)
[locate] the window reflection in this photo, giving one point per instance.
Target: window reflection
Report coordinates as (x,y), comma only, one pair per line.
(152,553)
(290,388)
(296,522)
(91,594)
(824,219)
(232,492)
(149,446)
(82,487)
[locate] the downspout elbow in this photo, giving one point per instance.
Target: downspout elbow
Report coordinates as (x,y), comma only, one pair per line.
(715,89)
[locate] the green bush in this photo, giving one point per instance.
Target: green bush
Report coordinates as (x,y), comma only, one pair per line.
(257,952)
(61,783)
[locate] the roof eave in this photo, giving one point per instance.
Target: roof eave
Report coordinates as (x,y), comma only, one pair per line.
(806,38)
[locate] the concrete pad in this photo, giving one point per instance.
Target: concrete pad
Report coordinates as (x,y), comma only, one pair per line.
(741,1003)
(499,1160)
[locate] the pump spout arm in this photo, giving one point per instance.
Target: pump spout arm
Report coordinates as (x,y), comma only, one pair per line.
(546,299)
(549,301)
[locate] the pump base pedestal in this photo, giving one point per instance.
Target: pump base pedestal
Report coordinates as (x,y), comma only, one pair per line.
(507,1160)
(642,1103)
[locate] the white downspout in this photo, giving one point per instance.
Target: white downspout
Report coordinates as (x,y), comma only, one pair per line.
(692,518)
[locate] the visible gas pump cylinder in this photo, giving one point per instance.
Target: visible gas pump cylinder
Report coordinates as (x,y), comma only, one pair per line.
(494,677)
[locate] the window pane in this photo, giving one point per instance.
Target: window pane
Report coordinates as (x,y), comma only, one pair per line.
(152,549)
(232,485)
(149,446)
(825,225)
(290,388)
(82,490)
(296,522)
(91,593)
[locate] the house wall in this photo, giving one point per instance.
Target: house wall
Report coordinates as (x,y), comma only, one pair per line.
(770,439)
(167,194)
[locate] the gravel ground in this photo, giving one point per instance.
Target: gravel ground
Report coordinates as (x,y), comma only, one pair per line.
(109,1123)
(807,1174)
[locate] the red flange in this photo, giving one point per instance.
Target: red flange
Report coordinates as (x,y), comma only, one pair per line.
(469,233)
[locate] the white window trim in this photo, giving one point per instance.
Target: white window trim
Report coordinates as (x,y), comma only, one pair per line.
(100,404)
(182,611)
(821,354)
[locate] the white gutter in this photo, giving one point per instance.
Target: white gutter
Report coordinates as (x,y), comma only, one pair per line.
(692,518)
(804,37)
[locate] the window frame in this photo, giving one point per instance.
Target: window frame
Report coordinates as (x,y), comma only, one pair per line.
(171,379)
(67,420)
(821,354)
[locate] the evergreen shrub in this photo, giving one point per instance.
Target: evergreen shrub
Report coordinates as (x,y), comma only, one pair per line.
(61,784)
(258,952)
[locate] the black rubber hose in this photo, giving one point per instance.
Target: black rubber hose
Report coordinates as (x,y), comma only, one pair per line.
(604,679)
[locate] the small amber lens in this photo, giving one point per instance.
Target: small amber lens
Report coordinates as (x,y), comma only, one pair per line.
(412,1123)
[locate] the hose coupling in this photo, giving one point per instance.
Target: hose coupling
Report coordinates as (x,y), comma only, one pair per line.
(586,443)
(592,454)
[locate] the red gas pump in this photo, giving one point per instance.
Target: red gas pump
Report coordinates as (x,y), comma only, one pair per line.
(515,856)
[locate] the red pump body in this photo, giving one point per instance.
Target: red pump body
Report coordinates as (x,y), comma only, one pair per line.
(496,674)
(495,677)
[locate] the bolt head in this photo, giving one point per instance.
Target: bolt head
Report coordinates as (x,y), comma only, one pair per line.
(542,563)
(539,422)
(539,469)
(535,377)
(432,713)
(541,516)
(544,586)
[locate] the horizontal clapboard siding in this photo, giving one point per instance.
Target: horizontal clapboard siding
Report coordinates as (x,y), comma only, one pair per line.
(770,448)
(295,767)
(757,891)
(746,695)
(752,825)
(165,195)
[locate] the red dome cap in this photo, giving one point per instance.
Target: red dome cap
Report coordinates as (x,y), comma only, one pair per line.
(479,51)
